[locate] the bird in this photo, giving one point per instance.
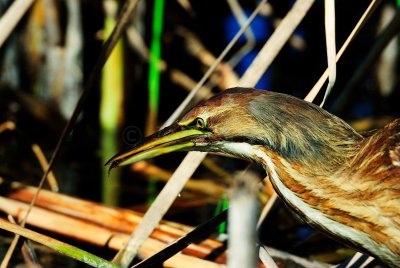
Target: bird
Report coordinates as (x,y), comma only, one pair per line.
(338,181)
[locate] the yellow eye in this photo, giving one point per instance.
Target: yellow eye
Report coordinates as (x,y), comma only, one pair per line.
(200,123)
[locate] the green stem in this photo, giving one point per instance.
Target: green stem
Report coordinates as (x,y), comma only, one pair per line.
(57,245)
(154,79)
(112,87)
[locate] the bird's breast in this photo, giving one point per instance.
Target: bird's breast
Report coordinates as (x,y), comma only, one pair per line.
(323,204)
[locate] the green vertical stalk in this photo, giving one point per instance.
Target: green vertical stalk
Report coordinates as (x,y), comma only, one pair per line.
(154,78)
(222,205)
(110,113)
(154,65)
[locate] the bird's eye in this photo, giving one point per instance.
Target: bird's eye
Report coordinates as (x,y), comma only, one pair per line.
(200,123)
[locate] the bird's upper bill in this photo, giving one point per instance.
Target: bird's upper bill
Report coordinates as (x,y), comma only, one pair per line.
(177,137)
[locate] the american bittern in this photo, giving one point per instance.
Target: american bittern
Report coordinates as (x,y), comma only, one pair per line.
(338,181)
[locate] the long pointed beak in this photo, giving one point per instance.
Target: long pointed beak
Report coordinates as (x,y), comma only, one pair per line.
(170,139)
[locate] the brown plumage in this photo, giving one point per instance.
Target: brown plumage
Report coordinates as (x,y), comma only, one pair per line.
(335,179)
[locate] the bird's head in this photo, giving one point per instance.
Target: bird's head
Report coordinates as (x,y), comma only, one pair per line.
(238,121)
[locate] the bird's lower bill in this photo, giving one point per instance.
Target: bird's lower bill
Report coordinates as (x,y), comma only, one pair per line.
(158,144)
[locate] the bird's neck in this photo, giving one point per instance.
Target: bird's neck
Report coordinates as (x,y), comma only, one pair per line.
(318,158)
